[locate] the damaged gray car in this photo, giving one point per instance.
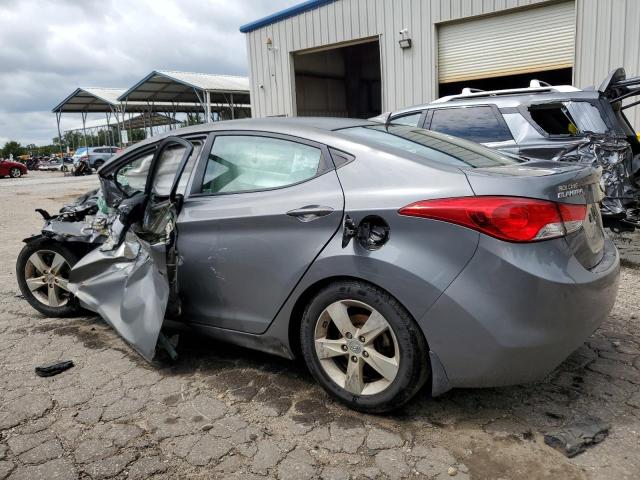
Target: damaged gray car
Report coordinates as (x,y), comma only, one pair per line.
(560,123)
(383,256)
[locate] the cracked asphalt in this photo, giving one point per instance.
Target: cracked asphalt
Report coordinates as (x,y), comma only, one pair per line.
(224,412)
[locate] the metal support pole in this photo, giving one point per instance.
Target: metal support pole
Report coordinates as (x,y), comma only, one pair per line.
(58,115)
(84,128)
(207,106)
(108,133)
(233,112)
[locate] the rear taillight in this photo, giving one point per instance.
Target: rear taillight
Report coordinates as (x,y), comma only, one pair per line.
(513,219)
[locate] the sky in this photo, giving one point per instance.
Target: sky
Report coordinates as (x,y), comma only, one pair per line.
(48,48)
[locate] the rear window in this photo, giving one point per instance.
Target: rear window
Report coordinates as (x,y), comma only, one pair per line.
(478,124)
(428,145)
(568,118)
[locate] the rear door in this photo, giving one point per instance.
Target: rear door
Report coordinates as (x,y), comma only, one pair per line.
(262,207)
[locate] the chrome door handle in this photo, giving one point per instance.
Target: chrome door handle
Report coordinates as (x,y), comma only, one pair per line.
(310,212)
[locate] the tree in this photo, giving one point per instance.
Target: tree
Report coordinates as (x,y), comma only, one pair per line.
(12,148)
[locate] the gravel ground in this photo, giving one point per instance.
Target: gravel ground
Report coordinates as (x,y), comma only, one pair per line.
(226,412)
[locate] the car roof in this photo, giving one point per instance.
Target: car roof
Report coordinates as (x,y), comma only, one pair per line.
(304,127)
(507,98)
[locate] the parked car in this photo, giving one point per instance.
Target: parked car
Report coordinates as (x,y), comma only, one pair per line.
(554,123)
(381,256)
(95,156)
(59,164)
(9,168)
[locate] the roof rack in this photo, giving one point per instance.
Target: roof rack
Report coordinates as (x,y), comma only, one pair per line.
(535,86)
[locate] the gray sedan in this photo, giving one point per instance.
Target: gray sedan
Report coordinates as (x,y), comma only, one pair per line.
(386,257)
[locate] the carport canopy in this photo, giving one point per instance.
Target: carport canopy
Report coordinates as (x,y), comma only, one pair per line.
(92,100)
(106,100)
(189,87)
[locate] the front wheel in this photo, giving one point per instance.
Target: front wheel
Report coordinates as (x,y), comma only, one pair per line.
(15,173)
(42,270)
(363,347)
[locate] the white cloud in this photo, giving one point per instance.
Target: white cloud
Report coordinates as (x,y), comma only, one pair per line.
(49,48)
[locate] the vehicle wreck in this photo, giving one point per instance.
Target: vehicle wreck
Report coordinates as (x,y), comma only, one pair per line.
(123,277)
(546,122)
(281,236)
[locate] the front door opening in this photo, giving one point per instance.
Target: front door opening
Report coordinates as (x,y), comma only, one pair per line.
(560,76)
(339,82)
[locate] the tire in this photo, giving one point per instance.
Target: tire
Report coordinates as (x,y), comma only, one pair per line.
(15,172)
(401,341)
(97,164)
(39,297)
(63,168)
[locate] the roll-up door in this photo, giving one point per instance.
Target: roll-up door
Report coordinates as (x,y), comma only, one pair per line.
(531,40)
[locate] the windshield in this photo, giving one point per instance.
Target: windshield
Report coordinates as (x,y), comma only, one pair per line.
(81,151)
(429,145)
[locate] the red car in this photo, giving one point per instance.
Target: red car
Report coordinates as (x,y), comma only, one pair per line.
(12,169)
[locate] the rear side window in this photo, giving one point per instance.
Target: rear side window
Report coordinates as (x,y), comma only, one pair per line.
(428,145)
(411,120)
(240,163)
(568,118)
(478,124)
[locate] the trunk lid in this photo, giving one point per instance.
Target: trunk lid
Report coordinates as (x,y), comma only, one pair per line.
(556,182)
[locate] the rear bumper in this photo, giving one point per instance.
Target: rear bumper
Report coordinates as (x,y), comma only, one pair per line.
(516,312)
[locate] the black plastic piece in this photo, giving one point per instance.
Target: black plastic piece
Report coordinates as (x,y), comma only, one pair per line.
(44,213)
(53,368)
(349,231)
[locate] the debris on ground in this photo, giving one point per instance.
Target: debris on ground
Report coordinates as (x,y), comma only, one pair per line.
(574,438)
(53,368)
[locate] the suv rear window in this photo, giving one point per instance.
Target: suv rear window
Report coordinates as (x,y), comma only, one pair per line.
(478,124)
(568,118)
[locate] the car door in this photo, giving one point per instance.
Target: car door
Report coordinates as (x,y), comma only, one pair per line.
(262,207)
(130,281)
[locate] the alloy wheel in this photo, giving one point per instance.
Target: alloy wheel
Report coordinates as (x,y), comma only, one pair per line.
(357,347)
(15,173)
(47,275)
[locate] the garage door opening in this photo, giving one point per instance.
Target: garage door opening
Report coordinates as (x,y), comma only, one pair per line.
(339,82)
(562,76)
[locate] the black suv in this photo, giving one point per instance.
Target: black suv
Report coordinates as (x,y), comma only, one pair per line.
(545,122)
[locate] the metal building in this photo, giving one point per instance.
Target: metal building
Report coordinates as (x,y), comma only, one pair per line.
(358,58)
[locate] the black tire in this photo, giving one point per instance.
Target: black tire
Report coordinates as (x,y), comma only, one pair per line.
(15,172)
(414,367)
(98,164)
(71,307)
(63,168)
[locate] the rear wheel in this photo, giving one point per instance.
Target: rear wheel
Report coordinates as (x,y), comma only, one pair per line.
(97,164)
(43,273)
(15,172)
(363,347)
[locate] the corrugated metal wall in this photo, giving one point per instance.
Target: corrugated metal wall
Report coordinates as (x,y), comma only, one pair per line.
(608,35)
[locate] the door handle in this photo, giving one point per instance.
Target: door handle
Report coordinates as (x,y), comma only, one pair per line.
(310,212)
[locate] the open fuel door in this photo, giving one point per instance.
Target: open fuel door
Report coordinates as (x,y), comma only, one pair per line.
(131,280)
